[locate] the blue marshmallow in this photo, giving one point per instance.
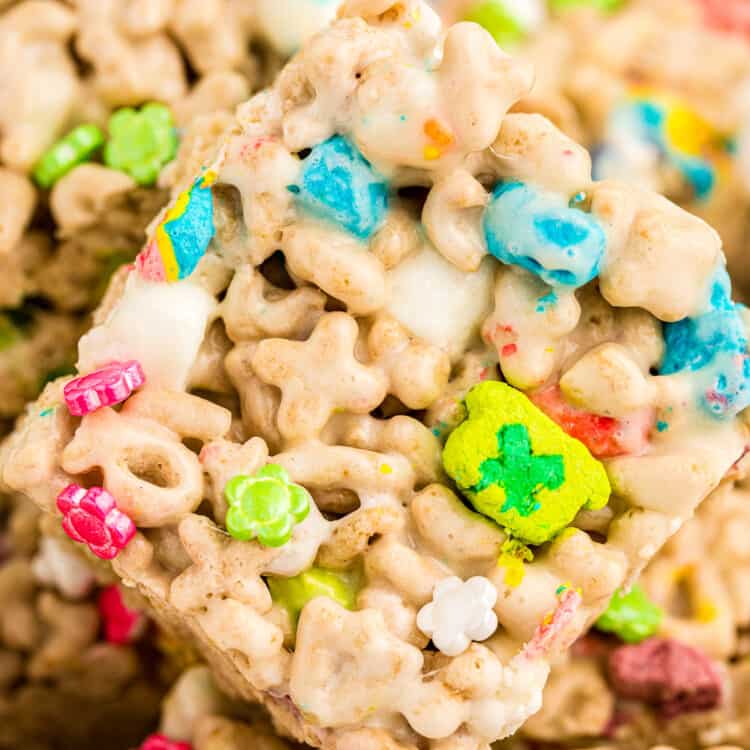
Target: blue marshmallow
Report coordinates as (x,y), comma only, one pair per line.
(540,232)
(644,122)
(714,345)
(339,185)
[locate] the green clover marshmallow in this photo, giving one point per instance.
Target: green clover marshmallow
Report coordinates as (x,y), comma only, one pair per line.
(632,616)
(266,506)
(294,593)
(519,468)
(141,143)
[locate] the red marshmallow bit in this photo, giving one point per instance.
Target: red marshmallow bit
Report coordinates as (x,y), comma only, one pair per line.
(107,386)
(122,625)
(160,742)
(92,517)
(605,437)
(727,15)
(675,677)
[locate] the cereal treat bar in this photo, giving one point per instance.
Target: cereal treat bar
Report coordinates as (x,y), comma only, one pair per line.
(88,134)
(621,77)
(666,663)
(75,669)
(395,397)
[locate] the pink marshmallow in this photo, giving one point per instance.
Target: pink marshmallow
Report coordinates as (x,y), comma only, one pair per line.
(92,517)
(160,742)
(122,625)
(109,385)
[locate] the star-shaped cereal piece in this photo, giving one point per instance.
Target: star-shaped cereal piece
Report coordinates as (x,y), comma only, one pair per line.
(222,567)
(319,376)
(338,649)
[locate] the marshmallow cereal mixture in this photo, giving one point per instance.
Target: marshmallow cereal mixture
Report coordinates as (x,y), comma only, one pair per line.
(96,98)
(396,401)
(658,90)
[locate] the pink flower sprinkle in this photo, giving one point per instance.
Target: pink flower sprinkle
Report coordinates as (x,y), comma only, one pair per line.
(550,634)
(122,625)
(109,385)
(160,742)
(92,517)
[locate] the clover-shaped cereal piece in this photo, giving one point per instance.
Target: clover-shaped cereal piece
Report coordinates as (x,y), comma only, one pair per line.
(141,143)
(92,517)
(295,592)
(519,468)
(460,612)
(631,615)
(266,505)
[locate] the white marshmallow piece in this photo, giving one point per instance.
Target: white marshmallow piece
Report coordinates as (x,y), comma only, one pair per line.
(438,302)
(460,612)
(159,324)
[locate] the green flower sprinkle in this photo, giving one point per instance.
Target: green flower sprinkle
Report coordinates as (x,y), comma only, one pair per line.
(266,506)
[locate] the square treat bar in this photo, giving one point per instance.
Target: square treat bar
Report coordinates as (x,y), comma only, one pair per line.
(395,396)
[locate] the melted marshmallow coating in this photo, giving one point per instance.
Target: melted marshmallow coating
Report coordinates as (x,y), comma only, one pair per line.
(625,85)
(367,270)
